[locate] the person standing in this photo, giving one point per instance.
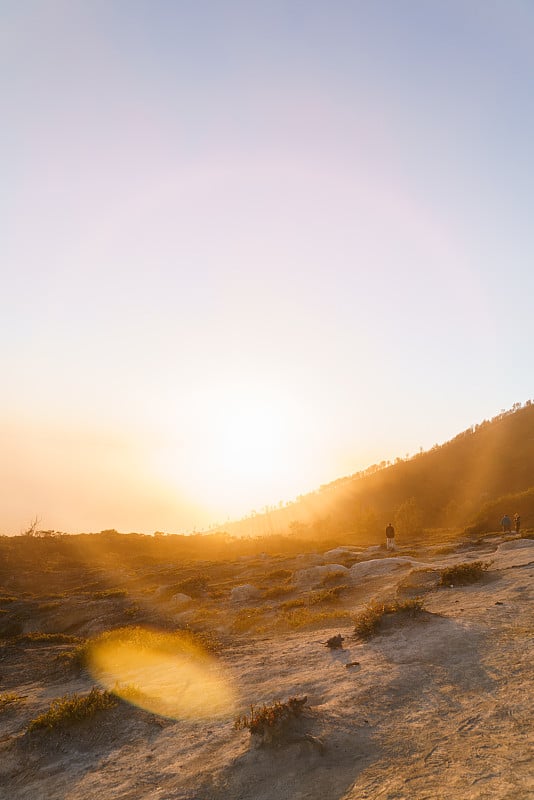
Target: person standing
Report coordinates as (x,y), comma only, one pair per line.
(506,524)
(517,523)
(390,537)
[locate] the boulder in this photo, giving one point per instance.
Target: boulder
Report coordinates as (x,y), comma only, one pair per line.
(376,567)
(315,576)
(338,553)
(247,591)
(181,599)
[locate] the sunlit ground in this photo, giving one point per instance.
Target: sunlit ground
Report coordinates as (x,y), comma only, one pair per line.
(163,673)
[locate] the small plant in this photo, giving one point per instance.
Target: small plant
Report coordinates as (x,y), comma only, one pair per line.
(72,708)
(368,622)
(10,699)
(271,722)
(463,574)
(335,642)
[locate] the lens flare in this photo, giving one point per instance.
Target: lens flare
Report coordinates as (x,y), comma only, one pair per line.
(165,673)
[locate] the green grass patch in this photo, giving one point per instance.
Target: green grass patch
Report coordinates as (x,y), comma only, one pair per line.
(71,708)
(463,574)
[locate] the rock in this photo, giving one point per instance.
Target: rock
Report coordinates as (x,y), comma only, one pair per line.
(379,566)
(331,556)
(243,593)
(162,591)
(315,576)
(181,599)
(308,560)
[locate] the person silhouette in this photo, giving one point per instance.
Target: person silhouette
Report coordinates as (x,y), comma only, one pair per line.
(506,524)
(390,537)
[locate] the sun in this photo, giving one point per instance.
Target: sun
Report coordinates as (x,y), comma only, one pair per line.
(247,447)
(239,453)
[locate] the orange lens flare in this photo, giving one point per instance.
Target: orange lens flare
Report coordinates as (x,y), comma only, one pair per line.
(164,673)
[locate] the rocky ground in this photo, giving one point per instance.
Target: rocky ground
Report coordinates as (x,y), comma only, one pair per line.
(435,705)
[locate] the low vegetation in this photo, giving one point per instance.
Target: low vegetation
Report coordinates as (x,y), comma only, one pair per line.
(271,723)
(369,621)
(315,598)
(71,708)
(301,618)
(10,700)
(110,594)
(463,574)
(275,592)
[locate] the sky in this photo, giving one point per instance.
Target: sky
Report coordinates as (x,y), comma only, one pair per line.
(248,248)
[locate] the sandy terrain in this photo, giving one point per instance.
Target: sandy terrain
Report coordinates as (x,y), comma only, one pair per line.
(434,706)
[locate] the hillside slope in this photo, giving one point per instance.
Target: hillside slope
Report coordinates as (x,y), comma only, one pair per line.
(450,483)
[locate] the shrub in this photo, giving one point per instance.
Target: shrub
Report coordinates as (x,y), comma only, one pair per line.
(71,708)
(463,574)
(272,720)
(368,622)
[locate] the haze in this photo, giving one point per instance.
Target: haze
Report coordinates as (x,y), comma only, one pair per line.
(250,248)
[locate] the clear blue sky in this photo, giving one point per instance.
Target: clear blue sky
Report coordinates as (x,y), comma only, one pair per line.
(250,247)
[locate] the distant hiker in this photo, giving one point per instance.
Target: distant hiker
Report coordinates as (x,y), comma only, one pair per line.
(506,524)
(517,522)
(390,537)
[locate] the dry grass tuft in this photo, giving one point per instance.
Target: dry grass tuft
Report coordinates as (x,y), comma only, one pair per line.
(274,592)
(272,723)
(10,699)
(368,622)
(463,574)
(72,708)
